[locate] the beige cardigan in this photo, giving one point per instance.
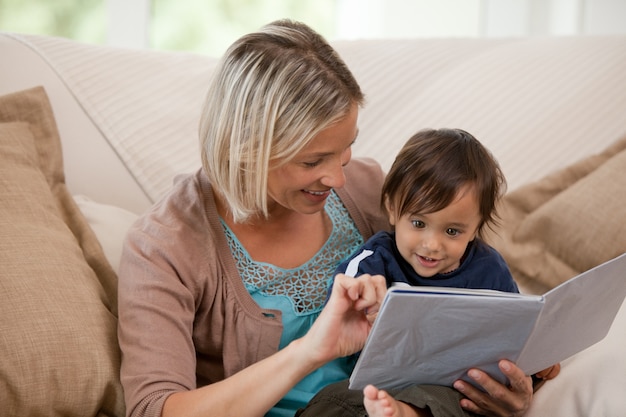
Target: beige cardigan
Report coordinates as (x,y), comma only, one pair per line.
(185,317)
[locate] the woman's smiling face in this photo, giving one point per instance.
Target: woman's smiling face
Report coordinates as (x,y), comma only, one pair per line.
(303,184)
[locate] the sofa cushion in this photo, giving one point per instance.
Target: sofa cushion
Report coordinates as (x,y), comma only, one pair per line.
(566,223)
(58,311)
(109,223)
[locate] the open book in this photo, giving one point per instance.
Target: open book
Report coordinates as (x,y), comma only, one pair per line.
(433,335)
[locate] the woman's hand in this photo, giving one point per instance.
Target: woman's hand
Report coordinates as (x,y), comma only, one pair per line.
(497,399)
(340,330)
(343,325)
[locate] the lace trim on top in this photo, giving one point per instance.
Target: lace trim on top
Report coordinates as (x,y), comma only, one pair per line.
(307,285)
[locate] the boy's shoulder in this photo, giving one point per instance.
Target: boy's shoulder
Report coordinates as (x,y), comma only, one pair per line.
(486,262)
(482,250)
(382,239)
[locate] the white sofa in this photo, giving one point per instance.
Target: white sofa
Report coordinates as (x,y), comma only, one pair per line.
(127,122)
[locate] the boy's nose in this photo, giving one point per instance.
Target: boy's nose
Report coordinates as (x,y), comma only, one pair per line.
(431,242)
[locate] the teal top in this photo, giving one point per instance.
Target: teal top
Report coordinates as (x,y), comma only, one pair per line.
(300,294)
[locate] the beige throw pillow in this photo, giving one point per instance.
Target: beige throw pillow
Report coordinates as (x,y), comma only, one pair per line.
(60,355)
(566,223)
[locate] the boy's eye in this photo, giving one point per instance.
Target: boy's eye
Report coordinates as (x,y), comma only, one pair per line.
(452,232)
(417,224)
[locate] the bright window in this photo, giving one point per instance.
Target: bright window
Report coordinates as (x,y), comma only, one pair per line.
(84,20)
(210,26)
(204,26)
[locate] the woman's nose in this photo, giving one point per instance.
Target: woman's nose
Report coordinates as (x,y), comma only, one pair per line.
(335,177)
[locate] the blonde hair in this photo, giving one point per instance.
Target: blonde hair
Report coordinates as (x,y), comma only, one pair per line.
(272,92)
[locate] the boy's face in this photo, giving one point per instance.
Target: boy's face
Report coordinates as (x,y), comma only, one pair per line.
(433,243)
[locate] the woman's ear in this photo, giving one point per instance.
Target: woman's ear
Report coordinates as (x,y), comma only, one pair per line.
(390,212)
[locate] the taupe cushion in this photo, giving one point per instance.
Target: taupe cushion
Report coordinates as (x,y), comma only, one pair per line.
(58,312)
(566,223)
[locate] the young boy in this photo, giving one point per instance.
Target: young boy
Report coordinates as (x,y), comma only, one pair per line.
(440,194)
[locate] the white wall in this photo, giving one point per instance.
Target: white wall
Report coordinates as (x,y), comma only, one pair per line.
(494,18)
(128,23)
(604,16)
(407,18)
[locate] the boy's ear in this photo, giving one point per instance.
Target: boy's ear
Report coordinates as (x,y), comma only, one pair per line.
(477,232)
(390,212)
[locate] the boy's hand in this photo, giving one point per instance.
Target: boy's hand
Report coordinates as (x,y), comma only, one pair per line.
(549,373)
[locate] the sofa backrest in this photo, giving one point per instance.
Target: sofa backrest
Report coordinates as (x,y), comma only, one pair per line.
(128,118)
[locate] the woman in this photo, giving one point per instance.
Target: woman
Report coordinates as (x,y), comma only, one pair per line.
(222,283)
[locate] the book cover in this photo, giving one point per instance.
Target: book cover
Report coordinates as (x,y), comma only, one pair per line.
(433,335)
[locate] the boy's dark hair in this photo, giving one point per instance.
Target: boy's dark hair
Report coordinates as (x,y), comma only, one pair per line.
(431,168)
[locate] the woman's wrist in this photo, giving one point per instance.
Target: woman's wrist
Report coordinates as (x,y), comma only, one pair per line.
(305,354)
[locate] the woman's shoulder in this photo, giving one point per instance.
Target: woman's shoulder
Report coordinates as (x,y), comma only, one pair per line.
(176,232)
(183,207)
(364,180)
(361,195)
(368,167)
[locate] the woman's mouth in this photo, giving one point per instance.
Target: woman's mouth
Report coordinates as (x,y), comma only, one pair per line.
(316,196)
(318,193)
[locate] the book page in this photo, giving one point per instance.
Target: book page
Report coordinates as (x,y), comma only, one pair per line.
(577,314)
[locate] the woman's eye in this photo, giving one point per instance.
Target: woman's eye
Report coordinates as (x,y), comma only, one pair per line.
(312,164)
